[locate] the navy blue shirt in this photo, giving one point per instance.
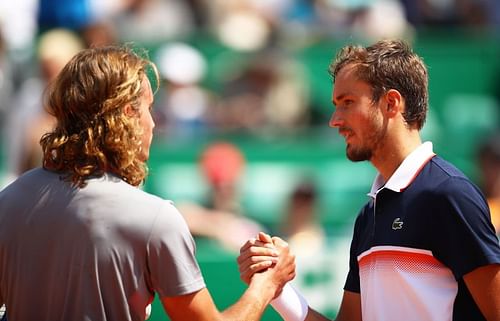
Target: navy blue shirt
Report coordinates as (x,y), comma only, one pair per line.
(440,221)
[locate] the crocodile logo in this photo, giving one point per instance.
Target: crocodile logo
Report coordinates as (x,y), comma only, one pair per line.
(397,224)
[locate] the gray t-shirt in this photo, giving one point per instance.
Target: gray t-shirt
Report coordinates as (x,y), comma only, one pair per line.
(95,253)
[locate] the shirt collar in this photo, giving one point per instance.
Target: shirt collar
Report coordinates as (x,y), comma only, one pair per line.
(406,172)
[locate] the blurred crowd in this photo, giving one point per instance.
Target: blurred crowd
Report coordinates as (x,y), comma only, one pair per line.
(259,85)
(262,32)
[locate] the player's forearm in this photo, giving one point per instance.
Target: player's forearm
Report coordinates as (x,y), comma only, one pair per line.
(251,305)
(484,285)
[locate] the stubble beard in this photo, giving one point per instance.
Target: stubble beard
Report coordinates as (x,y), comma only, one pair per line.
(365,151)
(358,154)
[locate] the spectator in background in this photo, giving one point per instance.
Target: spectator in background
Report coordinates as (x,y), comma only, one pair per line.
(18,25)
(29,120)
(69,14)
(472,14)
(184,105)
(301,226)
(266,92)
(77,15)
(221,216)
(368,20)
(99,33)
(488,160)
(154,21)
(92,20)
(320,265)
(223,165)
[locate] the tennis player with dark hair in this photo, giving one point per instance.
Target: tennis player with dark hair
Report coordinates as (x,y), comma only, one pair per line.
(423,247)
(79,240)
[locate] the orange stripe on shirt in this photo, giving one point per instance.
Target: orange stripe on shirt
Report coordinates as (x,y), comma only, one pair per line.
(416,262)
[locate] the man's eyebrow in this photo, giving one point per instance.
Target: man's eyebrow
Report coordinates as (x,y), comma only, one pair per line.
(339,98)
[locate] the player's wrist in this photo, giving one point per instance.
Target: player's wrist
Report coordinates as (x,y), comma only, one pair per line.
(262,287)
(290,304)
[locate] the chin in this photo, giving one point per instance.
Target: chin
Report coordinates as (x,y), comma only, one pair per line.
(143,154)
(358,155)
(143,157)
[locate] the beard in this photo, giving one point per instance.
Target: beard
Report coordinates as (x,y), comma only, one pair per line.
(359,154)
(372,141)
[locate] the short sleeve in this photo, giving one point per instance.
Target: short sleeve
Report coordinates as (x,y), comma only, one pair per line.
(465,236)
(171,255)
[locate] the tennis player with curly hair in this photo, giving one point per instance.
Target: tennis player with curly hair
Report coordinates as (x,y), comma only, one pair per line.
(79,240)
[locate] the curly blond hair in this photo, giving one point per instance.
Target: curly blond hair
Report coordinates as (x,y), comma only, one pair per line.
(93,134)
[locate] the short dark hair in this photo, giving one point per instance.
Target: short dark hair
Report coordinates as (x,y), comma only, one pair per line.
(390,64)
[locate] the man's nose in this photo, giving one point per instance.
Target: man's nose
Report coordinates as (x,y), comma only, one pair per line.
(335,120)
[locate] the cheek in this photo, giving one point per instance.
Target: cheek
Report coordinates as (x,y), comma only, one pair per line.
(147,122)
(375,127)
(151,120)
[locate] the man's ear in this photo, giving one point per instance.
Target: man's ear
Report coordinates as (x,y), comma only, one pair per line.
(128,110)
(394,102)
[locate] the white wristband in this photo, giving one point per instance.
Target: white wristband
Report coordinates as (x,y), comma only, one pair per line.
(290,304)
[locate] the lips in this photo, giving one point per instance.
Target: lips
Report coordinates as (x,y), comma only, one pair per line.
(346,133)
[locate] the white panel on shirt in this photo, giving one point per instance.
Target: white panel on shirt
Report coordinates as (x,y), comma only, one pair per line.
(399,283)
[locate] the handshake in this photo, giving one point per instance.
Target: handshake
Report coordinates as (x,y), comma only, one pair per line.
(267,261)
(266,254)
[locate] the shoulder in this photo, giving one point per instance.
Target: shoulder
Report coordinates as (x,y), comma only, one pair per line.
(133,211)
(439,178)
(450,193)
(129,204)
(137,200)
(108,185)
(169,219)
(439,170)
(29,179)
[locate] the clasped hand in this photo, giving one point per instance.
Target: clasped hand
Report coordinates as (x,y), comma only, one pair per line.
(267,255)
